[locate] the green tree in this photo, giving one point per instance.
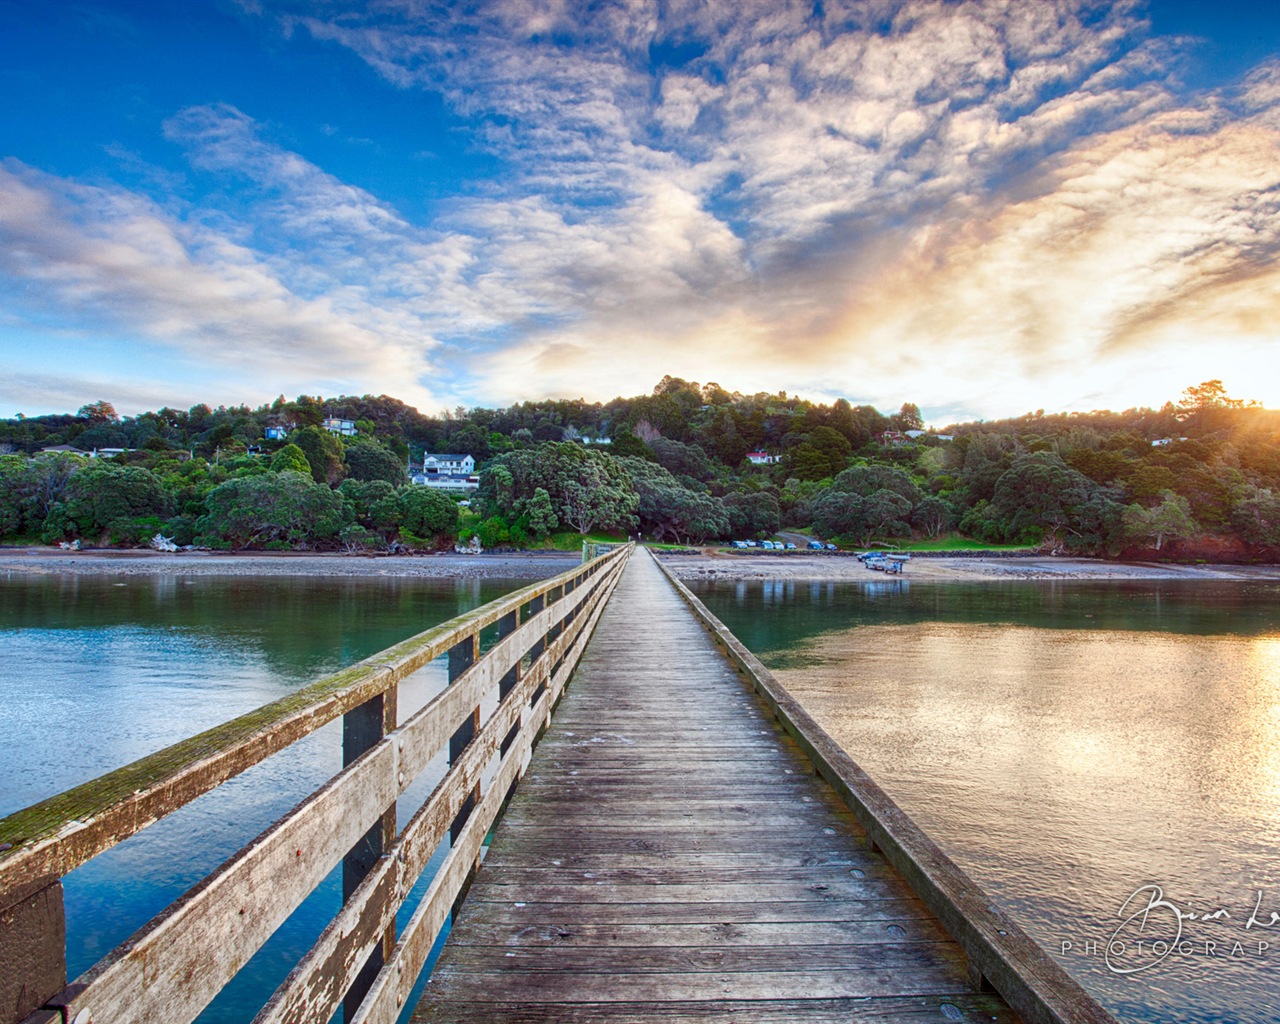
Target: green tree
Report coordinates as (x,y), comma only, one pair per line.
(290,459)
(753,515)
(428,513)
(909,417)
(542,517)
(589,489)
(13,471)
(1208,395)
(932,516)
(323,452)
(99,412)
(881,514)
(808,463)
(283,507)
(367,459)
(1169,520)
(104,497)
(1257,519)
(867,480)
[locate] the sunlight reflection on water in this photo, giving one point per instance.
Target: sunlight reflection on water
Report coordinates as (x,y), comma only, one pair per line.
(1066,744)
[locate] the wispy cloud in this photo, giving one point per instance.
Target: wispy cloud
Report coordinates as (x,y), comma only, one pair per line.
(980,207)
(892,199)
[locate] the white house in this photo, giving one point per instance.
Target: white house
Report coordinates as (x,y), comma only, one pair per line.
(433,465)
(447,481)
(761,458)
(347,428)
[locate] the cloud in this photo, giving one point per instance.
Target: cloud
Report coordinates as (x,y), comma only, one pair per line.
(980,207)
(118,261)
(70,391)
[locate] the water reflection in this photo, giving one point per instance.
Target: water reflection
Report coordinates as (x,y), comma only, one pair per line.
(96,672)
(1067,743)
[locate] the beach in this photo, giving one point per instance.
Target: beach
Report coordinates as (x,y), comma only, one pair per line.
(705,564)
(712,565)
(531,565)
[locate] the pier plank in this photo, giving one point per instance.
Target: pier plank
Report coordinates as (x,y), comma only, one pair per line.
(671,856)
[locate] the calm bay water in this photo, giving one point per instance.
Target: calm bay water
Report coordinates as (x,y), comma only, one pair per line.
(1069,743)
(96,672)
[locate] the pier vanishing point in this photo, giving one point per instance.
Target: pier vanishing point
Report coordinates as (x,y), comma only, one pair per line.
(633,822)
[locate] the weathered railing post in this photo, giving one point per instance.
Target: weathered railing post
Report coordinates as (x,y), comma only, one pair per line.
(554,632)
(33,941)
(170,970)
(362,728)
(507,625)
(461,657)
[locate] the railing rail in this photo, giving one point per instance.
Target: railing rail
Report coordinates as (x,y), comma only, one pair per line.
(1002,957)
(172,968)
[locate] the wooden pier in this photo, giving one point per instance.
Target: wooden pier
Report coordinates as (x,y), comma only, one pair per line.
(670,856)
(682,843)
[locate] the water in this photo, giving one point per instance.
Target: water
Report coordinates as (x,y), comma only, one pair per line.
(96,672)
(1069,743)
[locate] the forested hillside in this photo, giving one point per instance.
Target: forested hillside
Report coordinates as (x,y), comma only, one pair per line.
(1199,478)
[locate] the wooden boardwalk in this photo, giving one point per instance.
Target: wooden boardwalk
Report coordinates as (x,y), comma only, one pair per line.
(671,856)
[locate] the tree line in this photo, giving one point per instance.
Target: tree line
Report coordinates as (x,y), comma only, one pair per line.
(1196,476)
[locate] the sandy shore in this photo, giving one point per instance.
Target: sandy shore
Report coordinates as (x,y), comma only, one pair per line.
(46,561)
(707,565)
(711,565)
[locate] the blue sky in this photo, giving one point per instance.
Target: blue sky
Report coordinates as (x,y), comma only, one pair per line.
(984,208)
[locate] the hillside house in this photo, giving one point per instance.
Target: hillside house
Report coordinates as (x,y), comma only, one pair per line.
(347,428)
(761,458)
(452,464)
(446,481)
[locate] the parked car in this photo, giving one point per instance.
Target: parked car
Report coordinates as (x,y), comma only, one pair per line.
(815,545)
(832,547)
(790,546)
(767,545)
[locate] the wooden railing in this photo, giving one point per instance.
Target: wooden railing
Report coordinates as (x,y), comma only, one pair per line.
(172,968)
(1001,956)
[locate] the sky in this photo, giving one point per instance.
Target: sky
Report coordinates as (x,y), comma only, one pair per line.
(983,208)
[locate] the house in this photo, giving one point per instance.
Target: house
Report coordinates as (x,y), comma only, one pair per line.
(447,481)
(892,437)
(761,458)
(452,464)
(1161,442)
(597,440)
(108,453)
(279,431)
(347,428)
(63,449)
(913,434)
